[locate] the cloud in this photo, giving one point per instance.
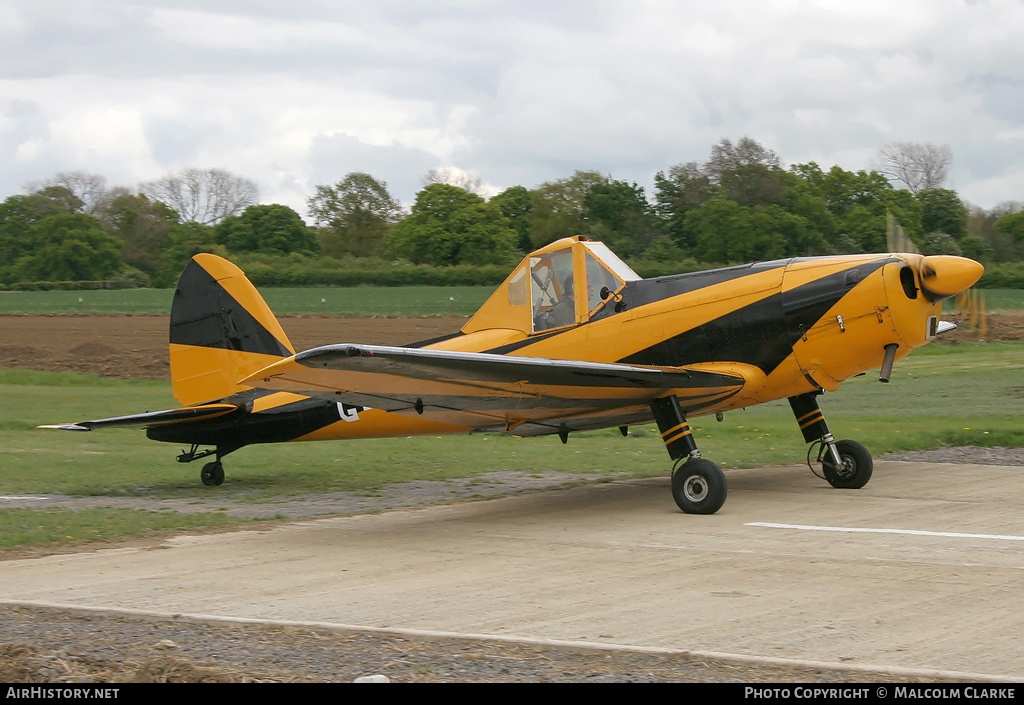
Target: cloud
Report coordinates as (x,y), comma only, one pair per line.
(332,157)
(514,93)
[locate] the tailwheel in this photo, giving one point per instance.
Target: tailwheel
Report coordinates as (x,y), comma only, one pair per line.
(699,486)
(212,474)
(856,467)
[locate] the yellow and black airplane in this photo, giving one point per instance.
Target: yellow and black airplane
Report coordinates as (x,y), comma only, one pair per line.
(573,340)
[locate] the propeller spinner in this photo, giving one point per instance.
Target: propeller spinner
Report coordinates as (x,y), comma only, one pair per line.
(945,276)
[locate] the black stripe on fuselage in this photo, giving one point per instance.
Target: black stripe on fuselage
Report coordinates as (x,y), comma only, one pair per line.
(761,334)
(646,291)
(204,314)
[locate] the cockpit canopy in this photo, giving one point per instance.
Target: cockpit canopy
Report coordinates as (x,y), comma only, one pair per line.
(560,285)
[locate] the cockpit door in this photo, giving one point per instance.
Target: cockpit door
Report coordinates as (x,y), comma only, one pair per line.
(552,290)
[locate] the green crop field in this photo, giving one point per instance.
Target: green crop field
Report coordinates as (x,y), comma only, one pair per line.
(1002,299)
(942,395)
(355,301)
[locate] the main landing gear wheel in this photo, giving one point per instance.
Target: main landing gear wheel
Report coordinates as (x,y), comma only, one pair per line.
(212,474)
(856,469)
(699,487)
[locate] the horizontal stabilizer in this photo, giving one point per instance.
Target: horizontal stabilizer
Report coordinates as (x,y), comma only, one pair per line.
(151,418)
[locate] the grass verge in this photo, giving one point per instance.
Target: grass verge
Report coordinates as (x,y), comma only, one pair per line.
(24,528)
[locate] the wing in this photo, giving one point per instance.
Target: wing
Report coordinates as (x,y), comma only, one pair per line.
(487,392)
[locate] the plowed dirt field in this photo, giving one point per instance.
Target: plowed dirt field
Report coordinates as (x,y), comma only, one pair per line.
(135,347)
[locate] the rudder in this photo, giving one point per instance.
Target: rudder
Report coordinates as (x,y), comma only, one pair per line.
(221,331)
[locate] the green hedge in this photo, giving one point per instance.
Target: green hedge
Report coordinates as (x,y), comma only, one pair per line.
(1003,276)
(419,275)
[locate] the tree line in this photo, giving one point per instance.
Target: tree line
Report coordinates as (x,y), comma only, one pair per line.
(740,205)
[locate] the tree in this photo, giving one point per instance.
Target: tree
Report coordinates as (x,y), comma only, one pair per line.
(683,189)
(727,158)
(451,226)
(747,172)
(19,213)
(90,190)
(939,243)
(61,198)
(187,240)
(355,214)
(144,226)
(515,204)
(999,245)
(858,203)
(275,229)
(942,211)
(728,232)
(70,247)
(453,176)
(617,213)
(1013,225)
(918,166)
(843,190)
(203,196)
(557,207)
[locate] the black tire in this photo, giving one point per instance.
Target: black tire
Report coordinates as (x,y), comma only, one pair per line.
(699,487)
(856,468)
(212,474)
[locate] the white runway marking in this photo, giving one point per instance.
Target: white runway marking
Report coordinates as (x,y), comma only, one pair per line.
(20,497)
(910,532)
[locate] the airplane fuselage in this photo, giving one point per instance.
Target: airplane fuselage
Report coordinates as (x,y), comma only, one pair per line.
(788,327)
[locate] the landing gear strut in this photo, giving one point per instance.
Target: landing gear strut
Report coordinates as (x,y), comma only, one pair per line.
(698,485)
(856,467)
(845,464)
(212,473)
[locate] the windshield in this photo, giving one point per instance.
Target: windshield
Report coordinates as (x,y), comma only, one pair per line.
(612,261)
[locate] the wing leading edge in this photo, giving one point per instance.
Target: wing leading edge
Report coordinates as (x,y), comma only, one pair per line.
(488,392)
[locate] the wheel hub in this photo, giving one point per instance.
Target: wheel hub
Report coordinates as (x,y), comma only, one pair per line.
(848,468)
(695,488)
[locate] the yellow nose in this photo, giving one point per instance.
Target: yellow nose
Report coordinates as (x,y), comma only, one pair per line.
(943,276)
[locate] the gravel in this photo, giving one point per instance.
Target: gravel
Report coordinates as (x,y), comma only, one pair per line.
(403,495)
(51,645)
(966,455)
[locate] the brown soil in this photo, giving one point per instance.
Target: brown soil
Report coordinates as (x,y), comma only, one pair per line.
(135,347)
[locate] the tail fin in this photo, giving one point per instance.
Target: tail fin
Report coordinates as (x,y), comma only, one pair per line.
(221,331)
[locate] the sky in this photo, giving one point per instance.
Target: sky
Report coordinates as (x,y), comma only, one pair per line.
(296,94)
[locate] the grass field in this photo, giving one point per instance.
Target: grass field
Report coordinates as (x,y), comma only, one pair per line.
(966,394)
(357,301)
(1003,299)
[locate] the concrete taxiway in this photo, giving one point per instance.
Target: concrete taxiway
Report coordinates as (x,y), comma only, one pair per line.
(922,568)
